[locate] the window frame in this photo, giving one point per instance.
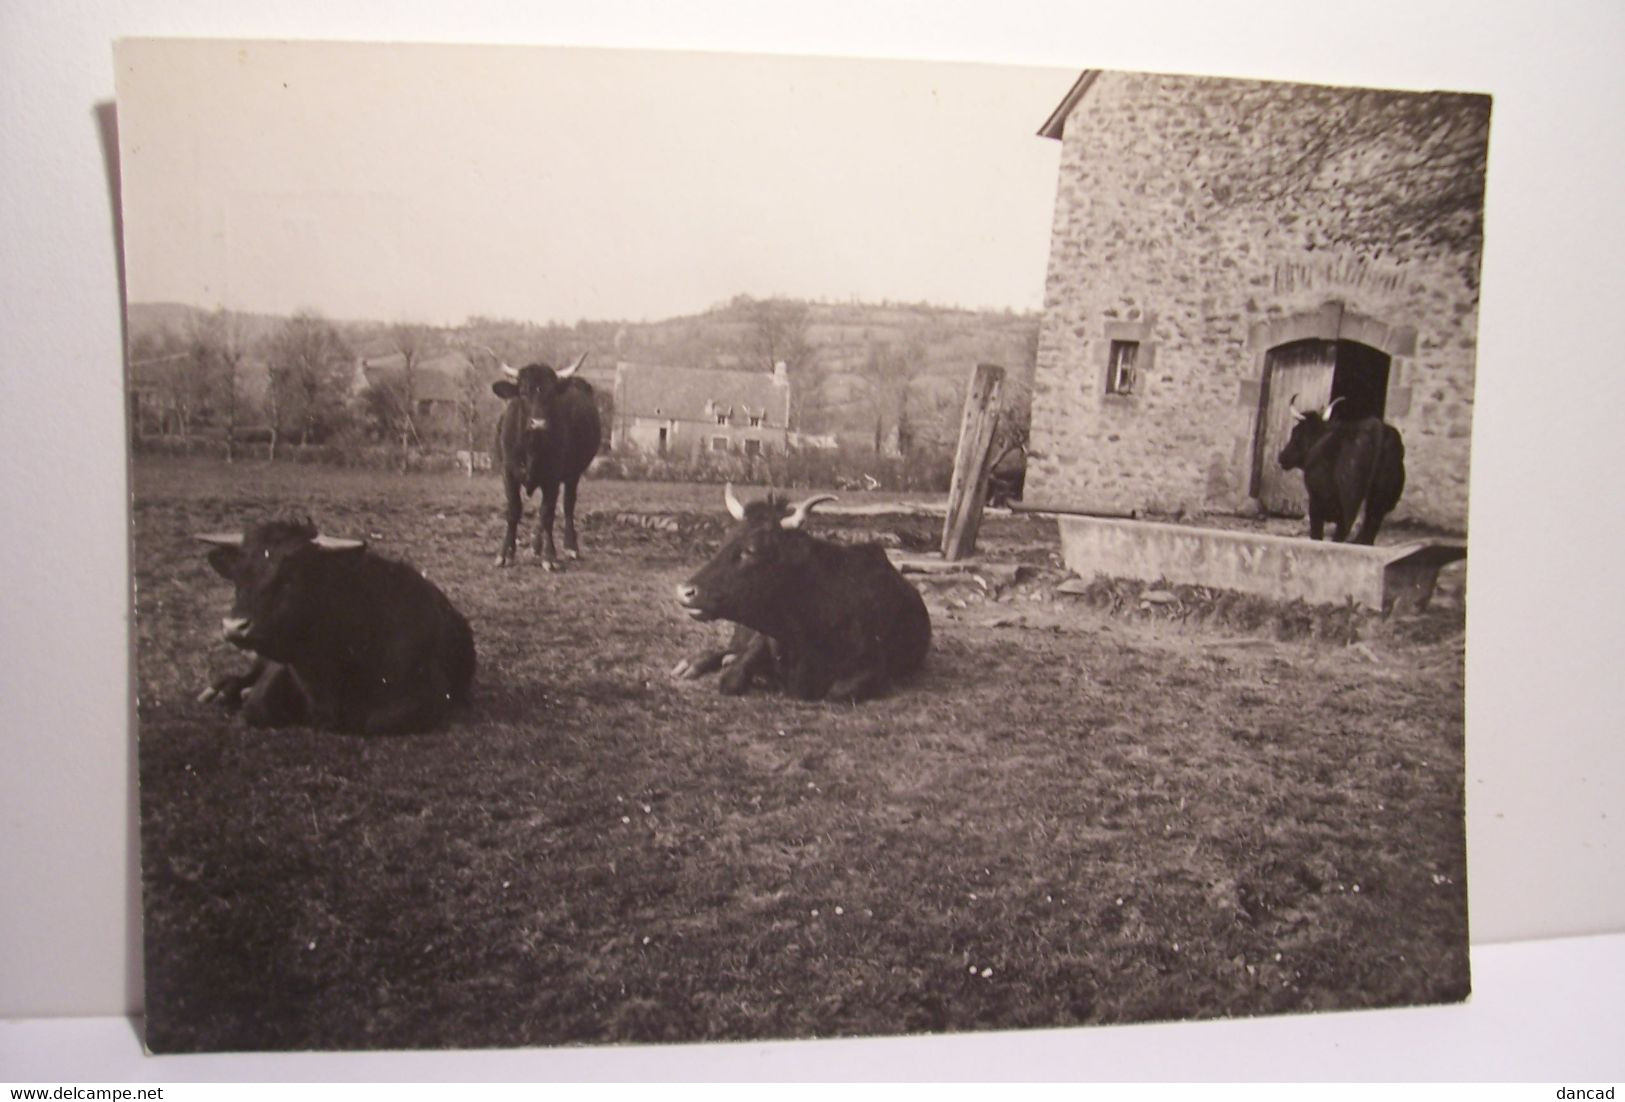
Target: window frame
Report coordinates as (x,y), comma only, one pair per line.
(1118,335)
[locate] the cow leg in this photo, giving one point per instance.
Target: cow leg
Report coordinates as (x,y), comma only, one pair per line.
(1317,521)
(756,659)
(228,690)
(701,663)
(516,508)
(572,549)
(276,700)
(711,659)
(542,546)
(1369,525)
(1344,520)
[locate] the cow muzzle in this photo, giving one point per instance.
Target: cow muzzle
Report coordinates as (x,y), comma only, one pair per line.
(688,596)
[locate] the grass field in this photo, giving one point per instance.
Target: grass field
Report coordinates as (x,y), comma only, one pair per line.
(1078,815)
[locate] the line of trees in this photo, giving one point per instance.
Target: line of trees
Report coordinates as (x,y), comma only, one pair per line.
(193,383)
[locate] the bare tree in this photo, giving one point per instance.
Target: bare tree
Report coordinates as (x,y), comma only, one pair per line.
(472,388)
(779,335)
(1016,402)
(222,338)
(308,368)
(189,380)
(278,402)
(152,356)
(889,370)
(414,342)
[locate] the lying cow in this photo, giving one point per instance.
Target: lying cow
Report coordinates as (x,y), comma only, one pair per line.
(1345,464)
(342,638)
(823,620)
(548,436)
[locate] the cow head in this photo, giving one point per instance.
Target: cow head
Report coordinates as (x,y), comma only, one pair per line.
(1308,428)
(536,387)
(277,569)
(762,568)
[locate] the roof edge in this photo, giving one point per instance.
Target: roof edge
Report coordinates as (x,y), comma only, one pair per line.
(1056,123)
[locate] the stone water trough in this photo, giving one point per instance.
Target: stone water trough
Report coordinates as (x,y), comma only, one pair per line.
(1285,568)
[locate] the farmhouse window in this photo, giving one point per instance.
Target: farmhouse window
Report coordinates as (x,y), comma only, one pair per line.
(756,420)
(719,443)
(722,417)
(1120,367)
(753,448)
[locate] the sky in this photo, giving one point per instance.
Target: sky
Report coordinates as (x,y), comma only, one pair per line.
(434,183)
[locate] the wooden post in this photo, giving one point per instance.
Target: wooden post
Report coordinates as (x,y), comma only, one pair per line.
(968,491)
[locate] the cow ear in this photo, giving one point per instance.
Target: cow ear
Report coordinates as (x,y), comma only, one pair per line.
(505,388)
(224,560)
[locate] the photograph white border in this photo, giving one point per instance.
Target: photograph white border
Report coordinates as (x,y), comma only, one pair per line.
(1545,756)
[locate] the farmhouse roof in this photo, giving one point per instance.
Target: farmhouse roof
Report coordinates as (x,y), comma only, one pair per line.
(435,378)
(1056,123)
(693,394)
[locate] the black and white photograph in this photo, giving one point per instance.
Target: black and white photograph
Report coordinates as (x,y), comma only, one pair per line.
(645,547)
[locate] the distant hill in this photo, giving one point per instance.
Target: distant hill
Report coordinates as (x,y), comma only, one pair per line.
(849,361)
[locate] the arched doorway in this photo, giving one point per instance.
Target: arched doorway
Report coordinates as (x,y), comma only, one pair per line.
(1314,372)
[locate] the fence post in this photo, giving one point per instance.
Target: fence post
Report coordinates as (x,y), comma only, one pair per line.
(968,491)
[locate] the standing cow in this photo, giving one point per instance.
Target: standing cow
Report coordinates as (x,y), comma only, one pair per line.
(1345,464)
(824,620)
(342,638)
(548,435)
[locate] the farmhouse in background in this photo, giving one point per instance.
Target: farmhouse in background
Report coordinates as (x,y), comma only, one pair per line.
(436,382)
(1221,246)
(689,412)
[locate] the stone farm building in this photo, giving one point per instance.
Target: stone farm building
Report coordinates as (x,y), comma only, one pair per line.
(692,412)
(1220,247)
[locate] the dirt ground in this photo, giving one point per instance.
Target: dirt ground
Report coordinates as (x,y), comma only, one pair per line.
(1121,804)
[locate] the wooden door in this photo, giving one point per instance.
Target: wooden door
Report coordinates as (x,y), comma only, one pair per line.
(1302,369)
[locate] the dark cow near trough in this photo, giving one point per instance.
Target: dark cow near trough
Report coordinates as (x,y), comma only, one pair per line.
(1345,464)
(342,638)
(823,620)
(548,435)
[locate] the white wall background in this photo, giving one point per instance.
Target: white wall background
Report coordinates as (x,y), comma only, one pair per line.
(1546,740)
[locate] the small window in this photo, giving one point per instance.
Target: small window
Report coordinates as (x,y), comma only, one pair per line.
(756,420)
(722,417)
(753,448)
(719,443)
(1120,367)
(661,446)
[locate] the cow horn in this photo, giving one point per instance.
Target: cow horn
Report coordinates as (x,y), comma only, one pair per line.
(573,368)
(1326,414)
(220,539)
(334,543)
(509,370)
(1292,408)
(799,516)
(735,510)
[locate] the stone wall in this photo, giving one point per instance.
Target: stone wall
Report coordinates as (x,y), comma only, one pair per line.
(1169,230)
